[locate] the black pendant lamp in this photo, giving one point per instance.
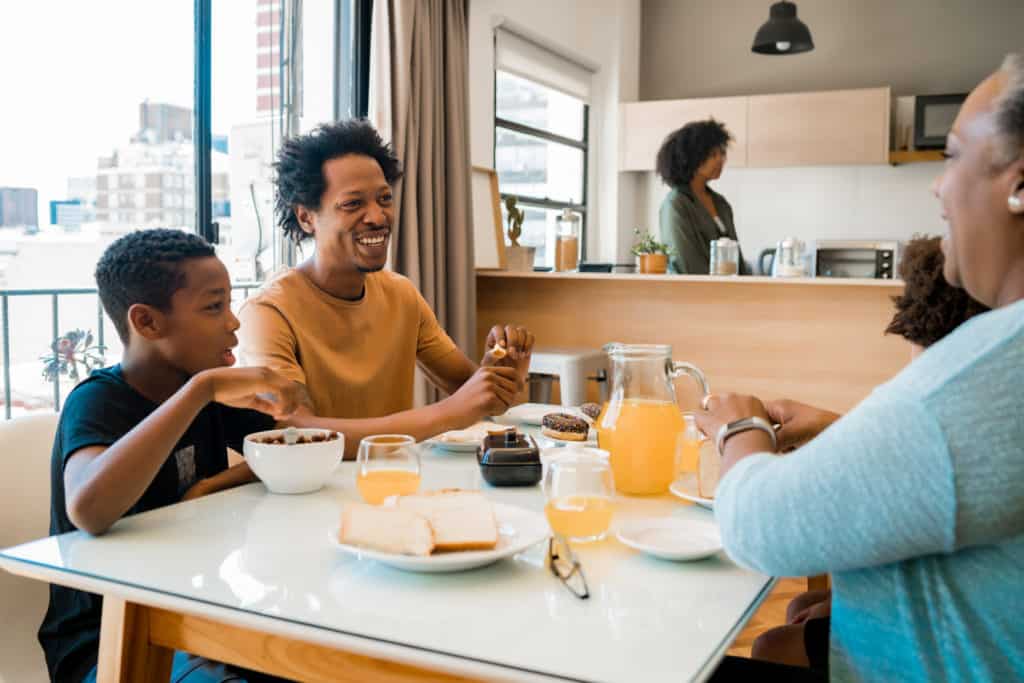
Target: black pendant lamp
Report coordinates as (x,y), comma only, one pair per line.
(783,33)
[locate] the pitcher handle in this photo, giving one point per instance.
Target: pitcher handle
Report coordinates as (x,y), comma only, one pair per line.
(680,368)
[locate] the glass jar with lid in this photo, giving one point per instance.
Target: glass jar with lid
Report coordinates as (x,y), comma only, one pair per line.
(567,241)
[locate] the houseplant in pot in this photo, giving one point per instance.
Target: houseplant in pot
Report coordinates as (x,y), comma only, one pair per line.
(651,255)
(518,257)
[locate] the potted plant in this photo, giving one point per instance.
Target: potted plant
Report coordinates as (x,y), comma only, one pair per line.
(518,257)
(652,255)
(70,351)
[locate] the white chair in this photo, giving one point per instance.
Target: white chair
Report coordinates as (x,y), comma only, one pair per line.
(572,367)
(25,446)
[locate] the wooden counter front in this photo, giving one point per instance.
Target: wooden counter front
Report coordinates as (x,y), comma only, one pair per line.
(819,341)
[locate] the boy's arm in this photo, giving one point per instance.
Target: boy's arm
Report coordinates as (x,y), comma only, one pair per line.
(488,391)
(236,475)
(102,483)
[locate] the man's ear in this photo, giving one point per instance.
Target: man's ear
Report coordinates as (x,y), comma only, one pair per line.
(305,218)
(146,321)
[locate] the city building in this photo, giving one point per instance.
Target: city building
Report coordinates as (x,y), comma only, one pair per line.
(160,122)
(19,208)
(67,213)
(83,188)
(268,57)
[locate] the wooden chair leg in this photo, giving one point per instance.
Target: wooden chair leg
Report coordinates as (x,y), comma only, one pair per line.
(819,583)
(126,653)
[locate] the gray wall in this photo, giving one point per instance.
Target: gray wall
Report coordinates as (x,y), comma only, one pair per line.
(701,48)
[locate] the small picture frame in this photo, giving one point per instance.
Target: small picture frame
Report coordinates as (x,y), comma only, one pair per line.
(488,235)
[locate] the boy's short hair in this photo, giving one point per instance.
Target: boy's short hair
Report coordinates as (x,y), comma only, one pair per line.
(300,177)
(144,267)
(929,308)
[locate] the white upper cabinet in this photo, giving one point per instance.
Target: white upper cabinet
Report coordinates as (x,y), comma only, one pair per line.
(645,125)
(819,128)
(802,129)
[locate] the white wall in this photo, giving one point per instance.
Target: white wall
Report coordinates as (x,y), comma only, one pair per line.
(605,33)
(822,202)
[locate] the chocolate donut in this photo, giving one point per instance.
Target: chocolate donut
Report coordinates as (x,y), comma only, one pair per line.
(564,427)
(591,410)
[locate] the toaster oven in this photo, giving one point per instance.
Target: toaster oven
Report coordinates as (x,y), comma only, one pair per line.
(856,258)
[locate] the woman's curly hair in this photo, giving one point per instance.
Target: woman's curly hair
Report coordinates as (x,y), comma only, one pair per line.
(929,308)
(686,149)
(300,178)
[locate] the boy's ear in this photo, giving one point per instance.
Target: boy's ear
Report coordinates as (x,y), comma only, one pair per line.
(146,321)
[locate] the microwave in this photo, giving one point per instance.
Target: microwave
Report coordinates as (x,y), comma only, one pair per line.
(856,258)
(933,119)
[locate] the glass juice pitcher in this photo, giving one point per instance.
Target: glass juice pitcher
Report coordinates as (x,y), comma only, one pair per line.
(641,426)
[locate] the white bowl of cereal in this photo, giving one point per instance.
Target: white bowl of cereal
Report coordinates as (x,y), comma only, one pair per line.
(302,466)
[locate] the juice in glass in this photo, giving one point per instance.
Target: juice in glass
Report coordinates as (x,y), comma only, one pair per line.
(376,485)
(644,438)
(579,517)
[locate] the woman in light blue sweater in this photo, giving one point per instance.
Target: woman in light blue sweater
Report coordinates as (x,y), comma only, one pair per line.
(914,501)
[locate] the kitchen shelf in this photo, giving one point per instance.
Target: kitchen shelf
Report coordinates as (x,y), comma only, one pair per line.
(914,156)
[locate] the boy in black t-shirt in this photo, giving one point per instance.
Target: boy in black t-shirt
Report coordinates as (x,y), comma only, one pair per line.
(153,430)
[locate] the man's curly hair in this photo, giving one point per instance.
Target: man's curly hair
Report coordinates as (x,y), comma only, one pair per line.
(300,161)
(686,149)
(145,267)
(929,307)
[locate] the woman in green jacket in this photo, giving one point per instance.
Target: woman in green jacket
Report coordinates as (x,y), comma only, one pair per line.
(693,215)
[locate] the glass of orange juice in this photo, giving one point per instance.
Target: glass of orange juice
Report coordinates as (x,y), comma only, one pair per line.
(578,489)
(387,465)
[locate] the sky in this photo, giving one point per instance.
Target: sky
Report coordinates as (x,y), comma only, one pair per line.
(76,71)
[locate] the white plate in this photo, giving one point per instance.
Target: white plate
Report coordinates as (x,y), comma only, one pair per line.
(518,529)
(672,539)
(454,446)
(530,413)
(591,441)
(685,487)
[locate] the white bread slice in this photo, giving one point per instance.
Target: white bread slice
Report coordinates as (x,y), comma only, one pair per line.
(709,467)
(461,520)
(385,529)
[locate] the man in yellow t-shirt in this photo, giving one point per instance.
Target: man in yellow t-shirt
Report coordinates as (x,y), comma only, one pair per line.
(350,332)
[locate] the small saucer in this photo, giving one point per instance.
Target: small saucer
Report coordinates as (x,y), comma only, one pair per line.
(670,538)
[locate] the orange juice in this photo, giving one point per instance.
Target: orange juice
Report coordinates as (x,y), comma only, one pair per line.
(579,517)
(643,437)
(376,485)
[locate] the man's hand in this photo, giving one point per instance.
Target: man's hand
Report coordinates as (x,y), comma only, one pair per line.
(490,391)
(259,389)
(800,422)
(516,346)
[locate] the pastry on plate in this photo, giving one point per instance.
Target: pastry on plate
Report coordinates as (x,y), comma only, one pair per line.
(564,427)
(591,410)
(474,434)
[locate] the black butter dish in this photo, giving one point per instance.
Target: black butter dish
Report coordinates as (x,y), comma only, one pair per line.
(509,459)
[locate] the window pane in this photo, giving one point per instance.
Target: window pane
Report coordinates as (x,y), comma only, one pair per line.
(97,143)
(537,168)
(246,89)
(531,104)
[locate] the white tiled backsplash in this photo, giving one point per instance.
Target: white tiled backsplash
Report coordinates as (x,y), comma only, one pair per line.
(821,202)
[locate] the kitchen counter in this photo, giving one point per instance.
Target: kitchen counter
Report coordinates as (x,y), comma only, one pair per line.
(816,340)
(724,279)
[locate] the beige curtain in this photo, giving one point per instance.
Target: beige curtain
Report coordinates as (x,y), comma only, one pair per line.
(420,101)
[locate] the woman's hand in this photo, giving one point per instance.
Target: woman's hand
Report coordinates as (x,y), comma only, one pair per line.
(799,422)
(725,408)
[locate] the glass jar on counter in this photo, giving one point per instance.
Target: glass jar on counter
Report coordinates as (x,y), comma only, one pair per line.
(567,241)
(725,257)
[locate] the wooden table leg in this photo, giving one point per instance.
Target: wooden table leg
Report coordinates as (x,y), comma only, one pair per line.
(127,654)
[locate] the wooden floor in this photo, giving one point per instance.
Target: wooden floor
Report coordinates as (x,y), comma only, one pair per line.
(771,614)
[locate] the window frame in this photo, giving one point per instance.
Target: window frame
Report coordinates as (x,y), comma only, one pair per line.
(359,12)
(583,145)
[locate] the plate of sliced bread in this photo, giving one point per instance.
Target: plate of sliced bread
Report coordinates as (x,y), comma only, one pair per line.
(449,530)
(687,487)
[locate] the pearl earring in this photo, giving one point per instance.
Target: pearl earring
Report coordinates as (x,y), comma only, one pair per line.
(1015,203)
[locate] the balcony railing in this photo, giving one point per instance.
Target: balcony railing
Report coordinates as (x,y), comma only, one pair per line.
(55,296)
